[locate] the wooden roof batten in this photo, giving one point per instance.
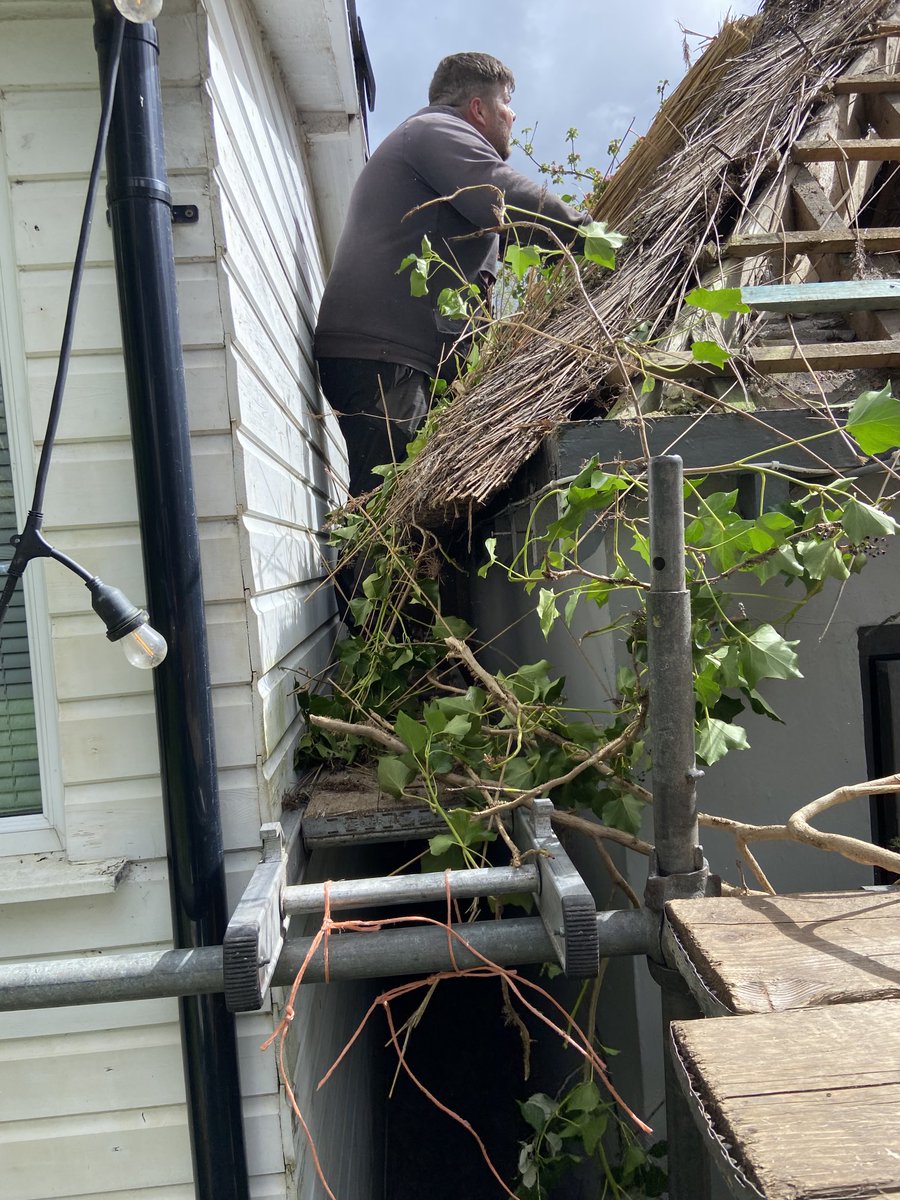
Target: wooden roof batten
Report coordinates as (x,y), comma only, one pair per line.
(815,185)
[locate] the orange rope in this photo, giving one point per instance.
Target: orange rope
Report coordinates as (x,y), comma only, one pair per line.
(489,969)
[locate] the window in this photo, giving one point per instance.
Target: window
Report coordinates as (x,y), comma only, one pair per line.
(20,783)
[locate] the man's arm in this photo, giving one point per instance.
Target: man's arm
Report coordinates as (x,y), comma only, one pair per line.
(455,160)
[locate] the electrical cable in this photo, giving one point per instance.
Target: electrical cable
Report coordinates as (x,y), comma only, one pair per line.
(30,544)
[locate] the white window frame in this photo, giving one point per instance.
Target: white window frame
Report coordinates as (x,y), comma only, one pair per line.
(37,832)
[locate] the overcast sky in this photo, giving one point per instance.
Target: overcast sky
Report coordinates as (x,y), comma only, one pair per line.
(591,64)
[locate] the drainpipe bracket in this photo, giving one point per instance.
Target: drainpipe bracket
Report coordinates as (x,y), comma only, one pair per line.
(255,935)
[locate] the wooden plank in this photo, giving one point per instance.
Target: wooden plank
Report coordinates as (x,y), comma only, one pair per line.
(850,295)
(826,241)
(784,359)
(813,208)
(843,149)
(797,1101)
(773,953)
(871,82)
(825,356)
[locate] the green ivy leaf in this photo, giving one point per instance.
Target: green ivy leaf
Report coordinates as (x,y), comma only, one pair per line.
(459,726)
(584,1097)
(727,660)
(863,520)
(706,684)
(633,1158)
(709,352)
(601,243)
(571,606)
(537,1110)
(623,812)
(490,545)
(874,420)
(411,733)
(715,738)
(723,301)
(783,562)
(592,1131)
(394,776)
(641,545)
(518,775)
(762,706)
(452,303)
(766,655)
(520,258)
(445,627)
(822,560)
(546,608)
(441,843)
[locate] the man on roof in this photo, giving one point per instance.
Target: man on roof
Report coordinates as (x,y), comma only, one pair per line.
(443,175)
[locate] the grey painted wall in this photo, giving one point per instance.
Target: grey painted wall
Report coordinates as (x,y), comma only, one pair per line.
(819,747)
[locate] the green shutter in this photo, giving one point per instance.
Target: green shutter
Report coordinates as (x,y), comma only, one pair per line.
(20,784)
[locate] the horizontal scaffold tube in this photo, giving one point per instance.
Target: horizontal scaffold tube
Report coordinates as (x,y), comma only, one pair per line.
(412,889)
(149,974)
(422,949)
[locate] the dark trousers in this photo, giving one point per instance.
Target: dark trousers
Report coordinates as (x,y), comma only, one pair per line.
(379,407)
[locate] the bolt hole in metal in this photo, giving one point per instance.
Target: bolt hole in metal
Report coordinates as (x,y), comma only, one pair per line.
(659,563)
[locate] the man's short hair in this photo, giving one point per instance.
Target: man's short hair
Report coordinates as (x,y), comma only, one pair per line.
(459,77)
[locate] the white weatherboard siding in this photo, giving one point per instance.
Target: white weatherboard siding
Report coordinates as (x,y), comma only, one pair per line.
(285,442)
(271,278)
(92,1099)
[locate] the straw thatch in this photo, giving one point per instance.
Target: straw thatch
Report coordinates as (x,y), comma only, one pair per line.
(723,135)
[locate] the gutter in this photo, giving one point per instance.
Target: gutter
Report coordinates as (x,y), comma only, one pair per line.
(140,215)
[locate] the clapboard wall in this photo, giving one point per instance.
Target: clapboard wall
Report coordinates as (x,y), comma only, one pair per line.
(92,1099)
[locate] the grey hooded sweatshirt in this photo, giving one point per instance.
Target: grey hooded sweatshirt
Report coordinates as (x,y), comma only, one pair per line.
(367,310)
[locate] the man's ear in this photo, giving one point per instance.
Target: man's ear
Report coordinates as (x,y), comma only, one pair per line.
(475,112)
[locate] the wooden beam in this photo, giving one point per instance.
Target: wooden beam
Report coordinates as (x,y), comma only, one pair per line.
(851,295)
(812,208)
(850,149)
(873,82)
(827,356)
(825,241)
(773,360)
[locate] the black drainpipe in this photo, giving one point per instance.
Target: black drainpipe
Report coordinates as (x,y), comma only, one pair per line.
(140,214)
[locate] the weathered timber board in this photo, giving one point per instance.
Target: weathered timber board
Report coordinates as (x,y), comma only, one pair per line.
(826,356)
(852,149)
(845,295)
(874,81)
(786,359)
(347,805)
(826,241)
(806,1104)
(774,953)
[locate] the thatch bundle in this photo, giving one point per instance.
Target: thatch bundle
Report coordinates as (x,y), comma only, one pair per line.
(725,131)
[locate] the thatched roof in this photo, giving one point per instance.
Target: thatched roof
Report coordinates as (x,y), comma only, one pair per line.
(717,144)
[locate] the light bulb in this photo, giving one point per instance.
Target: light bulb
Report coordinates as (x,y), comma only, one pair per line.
(139,11)
(145,647)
